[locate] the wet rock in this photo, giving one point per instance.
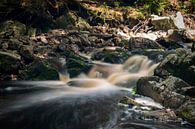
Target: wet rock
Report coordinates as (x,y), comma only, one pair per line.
(76,64)
(9,62)
(181,64)
(139,43)
(10,29)
(168,92)
(39,70)
(111,56)
(156,55)
(145,87)
(187,111)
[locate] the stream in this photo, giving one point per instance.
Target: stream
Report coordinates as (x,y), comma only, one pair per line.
(86,102)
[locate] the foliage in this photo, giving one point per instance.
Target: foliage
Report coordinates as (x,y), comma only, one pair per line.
(187,6)
(152,6)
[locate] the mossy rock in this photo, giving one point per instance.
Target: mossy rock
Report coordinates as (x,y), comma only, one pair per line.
(187,111)
(180,64)
(39,70)
(76,64)
(139,43)
(11,28)
(117,56)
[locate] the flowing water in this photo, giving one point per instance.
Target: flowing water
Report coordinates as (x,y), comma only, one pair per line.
(86,102)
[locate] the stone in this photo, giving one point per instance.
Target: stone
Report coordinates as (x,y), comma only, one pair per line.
(9,62)
(139,43)
(190,34)
(187,111)
(178,21)
(180,64)
(168,92)
(180,36)
(76,64)
(116,56)
(39,70)
(26,52)
(10,29)
(157,55)
(168,22)
(162,23)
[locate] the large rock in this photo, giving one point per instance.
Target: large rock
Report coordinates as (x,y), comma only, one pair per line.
(181,64)
(187,111)
(76,64)
(39,70)
(178,21)
(26,52)
(139,43)
(162,23)
(166,23)
(168,92)
(10,29)
(9,64)
(115,56)
(156,55)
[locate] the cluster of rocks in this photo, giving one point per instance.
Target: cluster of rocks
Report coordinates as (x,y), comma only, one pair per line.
(25,57)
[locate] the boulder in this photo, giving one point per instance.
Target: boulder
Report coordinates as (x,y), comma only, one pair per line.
(156,55)
(162,23)
(26,52)
(115,56)
(139,43)
(168,92)
(169,22)
(10,29)
(180,36)
(9,62)
(76,64)
(187,111)
(178,21)
(180,64)
(39,70)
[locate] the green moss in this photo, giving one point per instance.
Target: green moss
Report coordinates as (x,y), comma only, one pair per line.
(189,115)
(39,70)
(112,15)
(9,29)
(152,6)
(76,64)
